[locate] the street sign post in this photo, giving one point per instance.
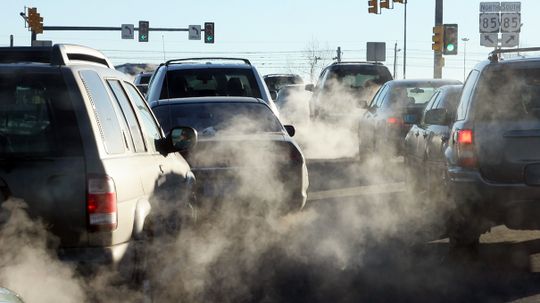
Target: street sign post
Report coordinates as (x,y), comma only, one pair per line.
(500,17)
(194,32)
(128,31)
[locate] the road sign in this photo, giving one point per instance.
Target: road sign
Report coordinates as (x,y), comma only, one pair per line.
(490,7)
(376,51)
(510,22)
(128,31)
(489,40)
(510,7)
(194,32)
(489,23)
(510,39)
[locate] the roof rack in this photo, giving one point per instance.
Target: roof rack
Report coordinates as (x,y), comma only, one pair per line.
(58,54)
(494,55)
(346,62)
(246,61)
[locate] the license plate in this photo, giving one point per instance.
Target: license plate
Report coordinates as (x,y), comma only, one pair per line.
(409,119)
(532,174)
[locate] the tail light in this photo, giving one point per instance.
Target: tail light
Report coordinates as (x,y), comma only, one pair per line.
(101,204)
(394,121)
(295,155)
(465,148)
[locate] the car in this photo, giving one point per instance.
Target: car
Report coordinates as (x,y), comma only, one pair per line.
(206,77)
(81,147)
(275,82)
(425,142)
(292,102)
(141,81)
(396,106)
(341,85)
(492,171)
(243,149)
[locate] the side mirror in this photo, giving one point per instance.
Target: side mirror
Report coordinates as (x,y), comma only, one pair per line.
(362,104)
(310,87)
(290,130)
(273,95)
(436,116)
(180,139)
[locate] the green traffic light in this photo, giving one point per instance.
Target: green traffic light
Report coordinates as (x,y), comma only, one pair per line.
(450,47)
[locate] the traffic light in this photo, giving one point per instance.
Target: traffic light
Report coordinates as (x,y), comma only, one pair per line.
(143,31)
(35,21)
(400,1)
(385,3)
(450,39)
(209,32)
(438,32)
(373,7)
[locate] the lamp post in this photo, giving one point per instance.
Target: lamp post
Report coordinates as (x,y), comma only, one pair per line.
(464,55)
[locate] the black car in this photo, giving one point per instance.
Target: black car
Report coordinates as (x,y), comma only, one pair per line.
(341,85)
(493,153)
(243,149)
(426,141)
(275,82)
(396,106)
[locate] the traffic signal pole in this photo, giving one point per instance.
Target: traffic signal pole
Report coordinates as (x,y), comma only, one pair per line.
(437,56)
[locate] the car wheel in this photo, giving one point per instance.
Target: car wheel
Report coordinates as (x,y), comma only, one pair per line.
(464,230)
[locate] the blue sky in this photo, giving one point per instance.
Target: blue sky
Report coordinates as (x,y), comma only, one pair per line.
(272,34)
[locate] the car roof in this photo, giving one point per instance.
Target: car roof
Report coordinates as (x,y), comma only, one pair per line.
(406,82)
(281,75)
(200,100)
(193,65)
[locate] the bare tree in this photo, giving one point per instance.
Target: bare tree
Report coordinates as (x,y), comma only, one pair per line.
(316,57)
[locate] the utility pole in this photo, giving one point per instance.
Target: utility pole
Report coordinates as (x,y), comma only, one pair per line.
(464,55)
(10,40)
(338,54)
(405,40)
(437,56)
(396,50)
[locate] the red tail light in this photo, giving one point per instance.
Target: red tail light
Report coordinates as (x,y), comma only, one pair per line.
(465,148)
(394,121)
(101,204)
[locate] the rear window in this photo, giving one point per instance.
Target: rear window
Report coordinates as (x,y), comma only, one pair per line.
(277,82)
(411,94)
(357,77)
(36,115)
(508,94)
(213,118)
(207,82)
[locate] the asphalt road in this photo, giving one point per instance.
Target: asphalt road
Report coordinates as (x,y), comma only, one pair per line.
(397,255)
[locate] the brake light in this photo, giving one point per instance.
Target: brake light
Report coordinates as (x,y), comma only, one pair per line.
(394,120)
(101,204)
(465,148)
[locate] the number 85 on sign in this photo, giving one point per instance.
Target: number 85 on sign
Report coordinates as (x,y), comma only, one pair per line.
(510,22)
(490,23)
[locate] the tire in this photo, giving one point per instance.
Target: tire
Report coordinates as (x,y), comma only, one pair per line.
(464,230)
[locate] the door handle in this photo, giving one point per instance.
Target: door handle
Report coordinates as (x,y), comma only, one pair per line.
(417,134)
(425,134)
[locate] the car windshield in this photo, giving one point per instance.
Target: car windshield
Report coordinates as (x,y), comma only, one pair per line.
(356,77)
(206,82)
(225,118)
(411,94)
(35,114)
(501,99)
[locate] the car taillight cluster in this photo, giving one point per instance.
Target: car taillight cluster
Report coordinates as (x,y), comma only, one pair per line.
(394,121)
(101,204)
(465,147)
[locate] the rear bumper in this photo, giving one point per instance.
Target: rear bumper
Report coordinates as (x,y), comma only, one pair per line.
(516,205)
(92,257)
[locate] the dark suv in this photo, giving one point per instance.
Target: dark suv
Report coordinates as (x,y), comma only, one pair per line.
(341,85)
(493,153)
(81,147)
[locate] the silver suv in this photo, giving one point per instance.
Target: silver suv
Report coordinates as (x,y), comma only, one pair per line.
(81,147)
(207,77)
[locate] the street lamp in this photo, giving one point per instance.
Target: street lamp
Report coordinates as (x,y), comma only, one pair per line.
(464,55)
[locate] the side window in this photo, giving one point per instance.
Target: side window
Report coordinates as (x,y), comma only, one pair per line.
(432,103)
(128,114)
(382,96)
(150,125)
(466,95)
(376,96)
(109,126)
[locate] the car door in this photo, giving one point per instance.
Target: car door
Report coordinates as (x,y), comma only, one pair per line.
(371,115)
(168,176)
